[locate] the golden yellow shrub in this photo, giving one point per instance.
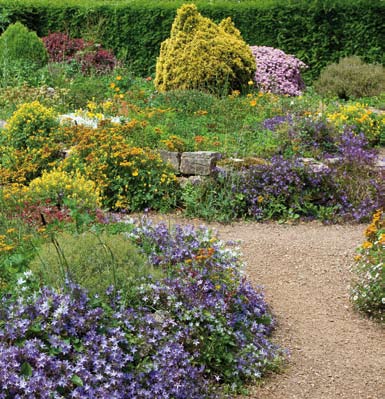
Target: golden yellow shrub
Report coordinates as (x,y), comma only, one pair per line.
(200,54)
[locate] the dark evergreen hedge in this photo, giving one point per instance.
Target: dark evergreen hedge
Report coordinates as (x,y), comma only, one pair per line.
(316,31)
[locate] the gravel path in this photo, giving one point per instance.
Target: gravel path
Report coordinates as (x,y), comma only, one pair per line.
(335,352)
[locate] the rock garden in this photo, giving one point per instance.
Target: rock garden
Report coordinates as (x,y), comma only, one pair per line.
(161,236)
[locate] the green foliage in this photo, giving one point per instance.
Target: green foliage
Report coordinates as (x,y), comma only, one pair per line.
(17,243)
(20,49)
(202,55)
(12,97)
(30,125)
(93,260)
(351,78)
(317,32)
(213,199)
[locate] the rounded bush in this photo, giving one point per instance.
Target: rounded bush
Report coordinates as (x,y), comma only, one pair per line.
(30,125)
(94,261)
(202,55)
(351,78)
(18,44)
(58,186)
(90,56)
(278,72)
(130,178)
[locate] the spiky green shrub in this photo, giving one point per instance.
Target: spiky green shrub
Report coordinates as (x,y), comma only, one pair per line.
(351,78)
(202,55)
(21,46)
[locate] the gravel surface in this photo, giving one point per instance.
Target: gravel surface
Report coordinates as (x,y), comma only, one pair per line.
(335,352)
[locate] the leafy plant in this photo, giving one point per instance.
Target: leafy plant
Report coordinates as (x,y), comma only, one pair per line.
(214,198)
(62,188)
(129,177)
(351,78)
(368,286)
(19,49)
(30,125)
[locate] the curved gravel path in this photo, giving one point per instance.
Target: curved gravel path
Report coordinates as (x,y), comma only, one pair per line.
(335,353)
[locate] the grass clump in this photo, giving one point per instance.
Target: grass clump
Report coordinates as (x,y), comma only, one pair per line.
(94,261)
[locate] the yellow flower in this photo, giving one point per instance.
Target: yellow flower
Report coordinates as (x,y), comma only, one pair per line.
(118,77)
(367,245)
(112,85)
(381,240)
(135,173)
(253,103)
(260,199)
(250,83)
(371,229)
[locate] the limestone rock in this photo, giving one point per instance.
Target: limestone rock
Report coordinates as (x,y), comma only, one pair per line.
(199,163)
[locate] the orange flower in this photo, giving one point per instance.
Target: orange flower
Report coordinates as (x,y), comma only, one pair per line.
(199,139)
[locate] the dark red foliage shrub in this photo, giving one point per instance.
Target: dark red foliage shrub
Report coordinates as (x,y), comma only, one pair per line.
(90,56)
(95,59)
(61,47)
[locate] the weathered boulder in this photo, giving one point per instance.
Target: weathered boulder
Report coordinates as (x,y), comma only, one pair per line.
(199,163)
(171,157)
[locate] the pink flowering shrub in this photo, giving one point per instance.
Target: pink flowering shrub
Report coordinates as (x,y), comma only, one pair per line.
(278,72)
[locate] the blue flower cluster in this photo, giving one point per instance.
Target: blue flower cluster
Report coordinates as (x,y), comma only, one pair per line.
(346,185)
(186,336)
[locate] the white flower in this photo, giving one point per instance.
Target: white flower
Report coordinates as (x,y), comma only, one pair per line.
(383,300)
(20,281)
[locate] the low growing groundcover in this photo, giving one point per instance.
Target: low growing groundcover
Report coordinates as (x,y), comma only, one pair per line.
(198,330)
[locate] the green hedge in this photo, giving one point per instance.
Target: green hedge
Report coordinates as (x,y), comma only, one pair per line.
(316,31)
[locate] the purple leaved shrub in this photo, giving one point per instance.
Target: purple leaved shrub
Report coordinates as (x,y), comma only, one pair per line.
(278,72)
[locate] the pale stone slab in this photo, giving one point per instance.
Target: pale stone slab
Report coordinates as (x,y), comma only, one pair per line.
(201,163)
(171,157)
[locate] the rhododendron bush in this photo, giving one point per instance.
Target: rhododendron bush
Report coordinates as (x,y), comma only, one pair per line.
(278,72)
